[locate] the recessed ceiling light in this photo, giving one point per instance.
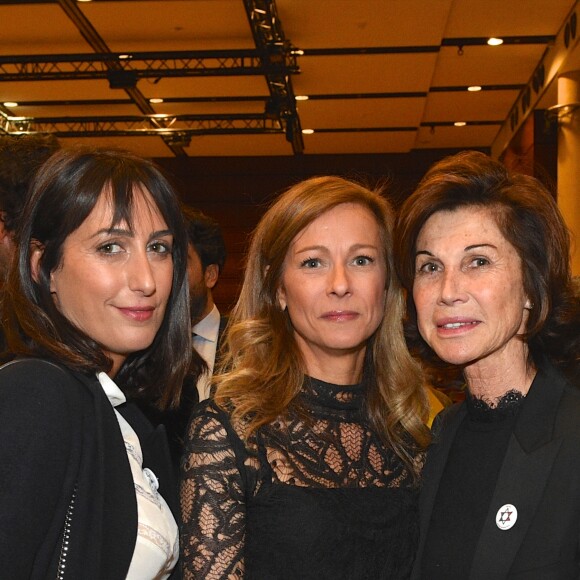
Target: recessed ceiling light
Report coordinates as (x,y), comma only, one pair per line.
(460,123)
(474,88)
(301,97)
(494,41)
(307,131)
(10,104)
(155,100)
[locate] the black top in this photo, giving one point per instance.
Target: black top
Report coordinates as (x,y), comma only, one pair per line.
(467,485)
(315,496)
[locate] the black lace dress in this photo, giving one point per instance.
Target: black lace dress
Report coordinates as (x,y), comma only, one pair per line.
(308,497)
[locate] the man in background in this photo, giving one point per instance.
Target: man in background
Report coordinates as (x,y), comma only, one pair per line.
(206,260)
(20,157)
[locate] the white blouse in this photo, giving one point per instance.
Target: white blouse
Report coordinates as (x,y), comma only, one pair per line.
(157,546)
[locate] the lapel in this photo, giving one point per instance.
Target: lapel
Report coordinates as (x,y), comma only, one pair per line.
(522,478)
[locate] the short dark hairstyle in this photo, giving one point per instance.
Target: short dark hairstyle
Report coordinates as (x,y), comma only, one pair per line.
(528,217)
(205,235)
(20,158)
(61,197)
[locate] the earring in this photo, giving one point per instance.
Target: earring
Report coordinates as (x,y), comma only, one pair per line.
(529,305)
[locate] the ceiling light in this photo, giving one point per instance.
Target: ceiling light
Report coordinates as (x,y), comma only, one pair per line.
(10,104)
(307,131)
(155,100)
(123,56)
(301,97)
(297,52)
(494,41)
(474,88)
(84,0)
(460,123)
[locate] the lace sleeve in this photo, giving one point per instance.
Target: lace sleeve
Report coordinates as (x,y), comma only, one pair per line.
(212,500)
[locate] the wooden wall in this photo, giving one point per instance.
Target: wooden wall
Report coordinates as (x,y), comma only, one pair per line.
(235,191)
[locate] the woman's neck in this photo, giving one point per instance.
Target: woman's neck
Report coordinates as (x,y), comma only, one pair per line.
(488,380)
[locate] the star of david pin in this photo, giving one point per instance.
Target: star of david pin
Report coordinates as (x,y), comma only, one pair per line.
(506,517)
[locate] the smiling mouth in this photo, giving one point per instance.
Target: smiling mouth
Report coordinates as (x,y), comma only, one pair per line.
(138,314)
(457,324)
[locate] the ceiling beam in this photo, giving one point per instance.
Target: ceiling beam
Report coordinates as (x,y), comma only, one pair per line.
(96,42)
(274,50)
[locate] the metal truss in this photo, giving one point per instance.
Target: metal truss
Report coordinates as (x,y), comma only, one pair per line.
(178,129)
(129,67)
(274,58)
(274,49)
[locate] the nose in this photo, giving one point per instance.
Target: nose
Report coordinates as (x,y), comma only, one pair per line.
(140,274)
(451,287)
(339,282)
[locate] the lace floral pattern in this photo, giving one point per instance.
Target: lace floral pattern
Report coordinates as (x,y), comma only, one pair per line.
(330,447)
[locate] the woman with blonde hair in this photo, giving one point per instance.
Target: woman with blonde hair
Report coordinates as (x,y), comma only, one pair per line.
(305,464)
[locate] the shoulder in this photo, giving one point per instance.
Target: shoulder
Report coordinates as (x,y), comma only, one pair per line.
(41,383)
(210,425)
(445,418)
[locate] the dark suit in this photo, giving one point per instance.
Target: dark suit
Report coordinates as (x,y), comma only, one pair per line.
(58,430)
(540,476)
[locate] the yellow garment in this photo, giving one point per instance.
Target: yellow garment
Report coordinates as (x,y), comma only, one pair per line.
(437,402)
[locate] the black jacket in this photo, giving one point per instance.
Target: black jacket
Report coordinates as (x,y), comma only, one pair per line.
(540,476)
(59,431)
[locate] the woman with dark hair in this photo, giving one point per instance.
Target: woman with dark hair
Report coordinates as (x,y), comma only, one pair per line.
(96,316)
(305,464)
(485,257)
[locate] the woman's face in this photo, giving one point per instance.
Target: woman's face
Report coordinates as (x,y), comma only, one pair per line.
(333,283)
(468,289)
(114,284)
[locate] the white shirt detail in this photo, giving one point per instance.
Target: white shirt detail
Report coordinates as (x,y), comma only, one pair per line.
(205,339)
(157,546)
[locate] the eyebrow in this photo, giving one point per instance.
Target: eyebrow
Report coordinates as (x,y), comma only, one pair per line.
(355,247)
(466,249)
(128,233)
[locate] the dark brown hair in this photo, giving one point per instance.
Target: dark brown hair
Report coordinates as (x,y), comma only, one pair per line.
(528,217)
(62,196)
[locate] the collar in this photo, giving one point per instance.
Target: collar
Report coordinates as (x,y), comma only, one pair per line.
(208,327)
(113,392)
(535,424)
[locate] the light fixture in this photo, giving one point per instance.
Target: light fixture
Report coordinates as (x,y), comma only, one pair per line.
(297,51)
(474,88)
(10,104)
(460,123)
(125,56)
(307,131)
(155,100)
(301,97)
(494,41)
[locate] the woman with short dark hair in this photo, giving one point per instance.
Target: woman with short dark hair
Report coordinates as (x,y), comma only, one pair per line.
(96,316)
(485,257)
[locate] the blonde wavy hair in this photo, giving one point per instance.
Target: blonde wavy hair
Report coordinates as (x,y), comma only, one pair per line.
(262,370)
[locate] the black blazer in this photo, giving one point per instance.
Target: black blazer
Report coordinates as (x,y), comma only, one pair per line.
(58,431)
(540,476)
